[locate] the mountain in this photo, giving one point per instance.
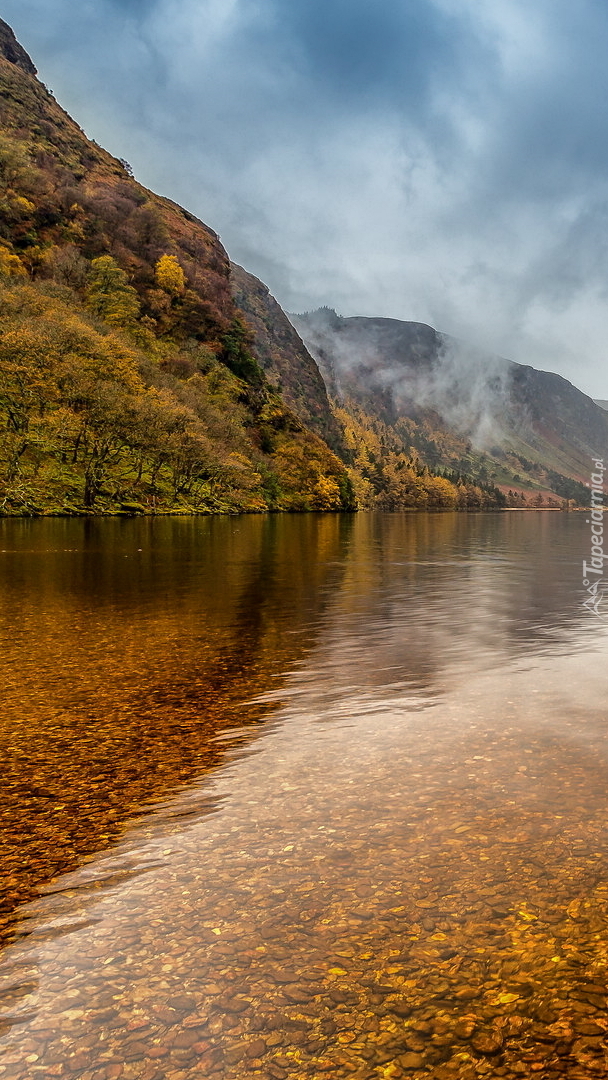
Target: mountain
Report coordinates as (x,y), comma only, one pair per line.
(508,422)
(284,357)
(130,380)
(143,372)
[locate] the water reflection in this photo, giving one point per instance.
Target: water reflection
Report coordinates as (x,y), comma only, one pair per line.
(400,873)
(126,646)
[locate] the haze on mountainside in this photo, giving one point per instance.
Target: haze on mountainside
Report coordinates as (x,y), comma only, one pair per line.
(532,419)
(141,371)
(439,160)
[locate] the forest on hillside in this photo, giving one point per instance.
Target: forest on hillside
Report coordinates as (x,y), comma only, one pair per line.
(133,387)
(137,390)
(130,381)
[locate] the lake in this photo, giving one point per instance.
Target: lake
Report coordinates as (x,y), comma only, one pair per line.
(303,796)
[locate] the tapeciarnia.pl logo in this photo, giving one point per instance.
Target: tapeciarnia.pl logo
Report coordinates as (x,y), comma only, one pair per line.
(593,570)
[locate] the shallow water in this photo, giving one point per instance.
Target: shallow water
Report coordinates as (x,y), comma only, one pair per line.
(397,863)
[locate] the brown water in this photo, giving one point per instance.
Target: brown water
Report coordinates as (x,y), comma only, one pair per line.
(393,860)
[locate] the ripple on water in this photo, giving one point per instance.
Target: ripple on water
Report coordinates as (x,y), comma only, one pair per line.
(407,878)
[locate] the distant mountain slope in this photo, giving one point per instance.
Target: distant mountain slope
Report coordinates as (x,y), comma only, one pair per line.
(561,426)
(534,423)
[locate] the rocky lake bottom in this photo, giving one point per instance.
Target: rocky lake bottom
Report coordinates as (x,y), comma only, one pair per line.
(382,850)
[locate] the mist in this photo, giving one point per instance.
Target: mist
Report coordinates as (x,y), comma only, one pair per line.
(414,368)
(471,391)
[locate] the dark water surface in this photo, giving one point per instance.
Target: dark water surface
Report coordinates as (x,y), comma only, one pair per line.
(381,851)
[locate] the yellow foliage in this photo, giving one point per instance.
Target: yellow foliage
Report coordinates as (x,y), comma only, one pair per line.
(22,204)
(109,295)
(326,494)
(169,275)
(10,265)
(76,408)
(441,492)
(48,354)
(387,473)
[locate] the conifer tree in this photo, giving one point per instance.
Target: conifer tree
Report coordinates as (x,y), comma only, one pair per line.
(109,294)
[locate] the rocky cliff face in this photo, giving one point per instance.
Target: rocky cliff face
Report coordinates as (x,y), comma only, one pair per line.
(284,357)
(12,51)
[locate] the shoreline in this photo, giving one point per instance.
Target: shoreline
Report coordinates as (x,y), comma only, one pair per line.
(64,514)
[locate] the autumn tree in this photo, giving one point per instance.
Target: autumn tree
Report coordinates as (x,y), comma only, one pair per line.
(16,172)
(109,294)
(441,493)
(326,494)
(10,265)
(169,275)
(67,266)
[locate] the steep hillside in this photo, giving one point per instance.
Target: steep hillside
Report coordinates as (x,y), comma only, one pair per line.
(284,357)
(128,377)
(560,425)
(62,190)
(11,50)
(483,415)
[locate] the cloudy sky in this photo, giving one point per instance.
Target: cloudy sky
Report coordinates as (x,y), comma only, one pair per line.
(438,160)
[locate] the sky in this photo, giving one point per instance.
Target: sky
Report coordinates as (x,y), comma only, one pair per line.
(444,161)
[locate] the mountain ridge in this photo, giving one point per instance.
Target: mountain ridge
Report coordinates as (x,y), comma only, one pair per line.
(284,357)
(395,368)
(13,51)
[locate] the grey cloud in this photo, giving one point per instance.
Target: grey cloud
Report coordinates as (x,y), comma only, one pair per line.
(384,49)
(435,160)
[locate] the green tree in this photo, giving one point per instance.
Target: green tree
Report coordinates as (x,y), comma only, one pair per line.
(109,294)
(237,354)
